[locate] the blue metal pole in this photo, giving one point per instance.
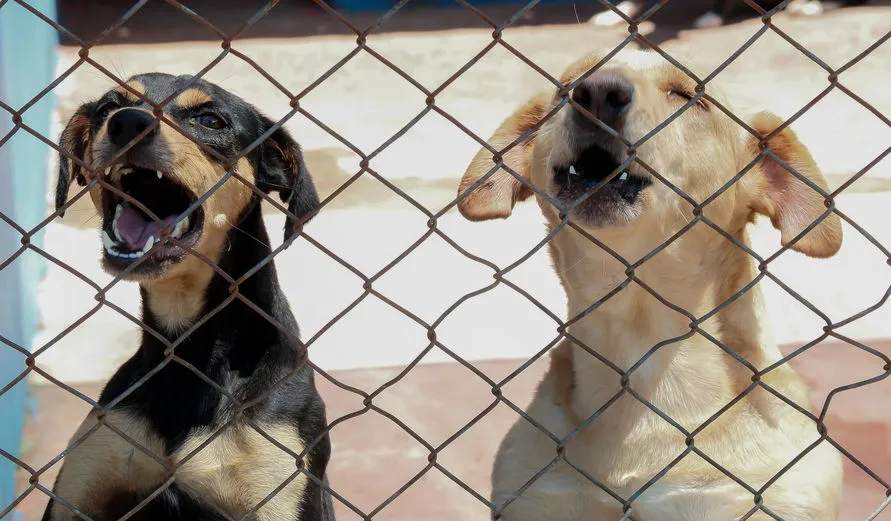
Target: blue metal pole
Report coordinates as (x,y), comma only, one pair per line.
(27,65)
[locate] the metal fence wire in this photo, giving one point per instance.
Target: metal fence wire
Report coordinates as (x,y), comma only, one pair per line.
(228,47)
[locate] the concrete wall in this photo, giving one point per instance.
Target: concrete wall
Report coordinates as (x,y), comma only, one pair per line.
(27,63)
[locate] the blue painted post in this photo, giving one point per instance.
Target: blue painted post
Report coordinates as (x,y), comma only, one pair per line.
(27,65)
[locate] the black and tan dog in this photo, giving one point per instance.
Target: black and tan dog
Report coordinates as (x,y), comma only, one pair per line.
(216,460)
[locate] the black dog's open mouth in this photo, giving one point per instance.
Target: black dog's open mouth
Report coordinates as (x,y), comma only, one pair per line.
(129,233)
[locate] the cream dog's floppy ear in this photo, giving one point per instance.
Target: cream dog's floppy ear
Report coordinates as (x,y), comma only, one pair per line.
(791,204)
(496,196)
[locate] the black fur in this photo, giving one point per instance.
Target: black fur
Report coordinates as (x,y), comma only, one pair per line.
(282,169)
(236,348)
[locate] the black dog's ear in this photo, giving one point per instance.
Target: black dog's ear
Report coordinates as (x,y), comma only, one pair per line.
(74,141)
(282,170)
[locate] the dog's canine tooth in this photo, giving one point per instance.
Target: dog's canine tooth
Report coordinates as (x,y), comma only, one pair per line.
(107,243)
(572,170)
(114,222)
(160,175)
(178,229)
(148,245)
(624,176)
(107,171)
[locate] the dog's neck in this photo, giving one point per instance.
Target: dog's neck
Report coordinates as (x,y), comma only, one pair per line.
(226,341)
(629,324)
(172,307)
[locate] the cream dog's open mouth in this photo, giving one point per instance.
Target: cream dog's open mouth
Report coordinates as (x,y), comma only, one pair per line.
(591,168)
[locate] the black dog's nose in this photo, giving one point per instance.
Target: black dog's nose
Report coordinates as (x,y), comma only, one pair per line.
(126,124)
(605,94)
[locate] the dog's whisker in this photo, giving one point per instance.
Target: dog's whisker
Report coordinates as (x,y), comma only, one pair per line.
(580,260)
(276,185)
(245,232)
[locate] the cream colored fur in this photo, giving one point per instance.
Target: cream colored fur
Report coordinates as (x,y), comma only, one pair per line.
(691,378)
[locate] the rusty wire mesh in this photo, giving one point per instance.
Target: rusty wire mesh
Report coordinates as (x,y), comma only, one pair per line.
(498,273)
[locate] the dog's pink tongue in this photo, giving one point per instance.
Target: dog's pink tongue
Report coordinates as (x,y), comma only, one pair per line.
(135,229)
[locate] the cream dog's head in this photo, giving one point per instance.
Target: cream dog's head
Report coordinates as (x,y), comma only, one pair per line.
(700,151)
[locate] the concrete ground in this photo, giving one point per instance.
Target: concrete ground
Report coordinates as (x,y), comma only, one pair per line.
(373,456)
(368,225)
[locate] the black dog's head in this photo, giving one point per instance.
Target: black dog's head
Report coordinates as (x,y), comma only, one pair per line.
(120,138)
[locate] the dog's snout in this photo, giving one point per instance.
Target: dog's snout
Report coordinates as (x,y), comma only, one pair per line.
(605,94)
(126,124)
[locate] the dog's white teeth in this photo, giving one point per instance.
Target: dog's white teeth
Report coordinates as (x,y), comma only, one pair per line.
(107,170)
(148,245)
(624,176)
(181,226)
(160,175)
(572,170)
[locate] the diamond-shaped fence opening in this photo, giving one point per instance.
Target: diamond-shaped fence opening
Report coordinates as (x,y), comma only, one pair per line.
(390,273)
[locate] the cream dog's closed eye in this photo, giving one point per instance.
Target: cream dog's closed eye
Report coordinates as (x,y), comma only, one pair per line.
(688,377)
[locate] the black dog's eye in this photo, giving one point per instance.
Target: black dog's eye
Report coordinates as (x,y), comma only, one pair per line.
(104,109)
(211,121)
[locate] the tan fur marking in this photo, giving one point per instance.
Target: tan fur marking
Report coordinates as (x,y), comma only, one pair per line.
(236,470)
(192,98)
(176,301)
(135,85)
(178,297)
(105,463)
(240,467)
(76,136)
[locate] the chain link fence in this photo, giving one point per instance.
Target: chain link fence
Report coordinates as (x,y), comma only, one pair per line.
(228,44)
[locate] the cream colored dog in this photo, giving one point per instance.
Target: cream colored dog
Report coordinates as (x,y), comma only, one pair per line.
(681,371)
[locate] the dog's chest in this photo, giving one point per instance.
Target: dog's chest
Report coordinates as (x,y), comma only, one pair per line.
(235,467)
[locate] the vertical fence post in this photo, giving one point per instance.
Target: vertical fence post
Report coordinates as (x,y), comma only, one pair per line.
(27,64)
